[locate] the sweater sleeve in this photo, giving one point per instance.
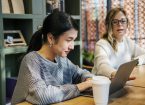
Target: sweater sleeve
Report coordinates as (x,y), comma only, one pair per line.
(101,62)
(42,93)
(137,52)
(78,74)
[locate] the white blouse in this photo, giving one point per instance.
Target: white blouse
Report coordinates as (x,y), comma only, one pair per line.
(107,60)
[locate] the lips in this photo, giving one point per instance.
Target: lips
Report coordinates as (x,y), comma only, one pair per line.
(120,30)
(67,52)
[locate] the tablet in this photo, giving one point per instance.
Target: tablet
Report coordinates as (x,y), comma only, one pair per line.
(122,76)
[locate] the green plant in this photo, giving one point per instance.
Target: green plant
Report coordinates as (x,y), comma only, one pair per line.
(88,58)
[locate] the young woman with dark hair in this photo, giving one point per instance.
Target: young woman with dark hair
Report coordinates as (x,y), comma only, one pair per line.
(46,75)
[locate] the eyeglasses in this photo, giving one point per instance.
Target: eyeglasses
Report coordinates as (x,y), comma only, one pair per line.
(116,22)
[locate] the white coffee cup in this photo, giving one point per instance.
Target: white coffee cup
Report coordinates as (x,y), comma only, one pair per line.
(101,86)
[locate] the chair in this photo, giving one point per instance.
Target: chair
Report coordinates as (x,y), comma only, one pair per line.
(10,86)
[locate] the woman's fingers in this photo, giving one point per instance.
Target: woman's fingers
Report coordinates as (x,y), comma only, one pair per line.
(131,78)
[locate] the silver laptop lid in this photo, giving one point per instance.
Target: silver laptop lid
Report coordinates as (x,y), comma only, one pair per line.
(122,76)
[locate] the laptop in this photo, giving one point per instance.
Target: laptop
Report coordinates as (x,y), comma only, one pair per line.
(120,79)
(122,76)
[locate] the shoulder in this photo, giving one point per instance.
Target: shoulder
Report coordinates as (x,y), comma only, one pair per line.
(103,44)
(30,55)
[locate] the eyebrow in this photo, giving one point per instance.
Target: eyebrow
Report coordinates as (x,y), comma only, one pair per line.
(120,19)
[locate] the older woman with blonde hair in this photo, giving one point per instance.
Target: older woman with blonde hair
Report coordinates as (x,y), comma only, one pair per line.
(114,48)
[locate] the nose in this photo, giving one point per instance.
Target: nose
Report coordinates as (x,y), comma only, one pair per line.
(71,46)
(120,23)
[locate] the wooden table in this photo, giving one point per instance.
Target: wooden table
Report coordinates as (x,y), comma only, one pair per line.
(132,94)
(139,73)
(128,96)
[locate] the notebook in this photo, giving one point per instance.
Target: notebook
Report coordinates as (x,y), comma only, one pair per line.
(120,79)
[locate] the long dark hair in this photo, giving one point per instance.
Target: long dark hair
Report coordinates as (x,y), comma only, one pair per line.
(56,23)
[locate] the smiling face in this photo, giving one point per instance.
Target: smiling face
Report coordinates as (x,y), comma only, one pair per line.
(119,26)
(65,43)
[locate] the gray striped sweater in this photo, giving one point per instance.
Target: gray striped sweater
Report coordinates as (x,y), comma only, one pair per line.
(41,81)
